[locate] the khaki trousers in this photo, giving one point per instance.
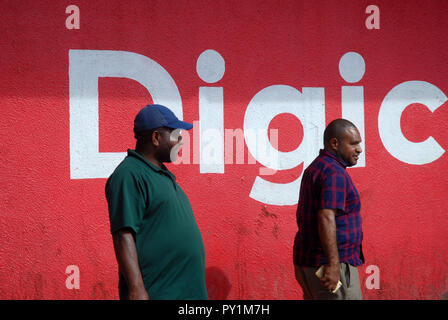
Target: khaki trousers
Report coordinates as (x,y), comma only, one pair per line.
(313,290)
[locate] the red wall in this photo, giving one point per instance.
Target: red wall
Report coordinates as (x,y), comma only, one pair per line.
(51,218)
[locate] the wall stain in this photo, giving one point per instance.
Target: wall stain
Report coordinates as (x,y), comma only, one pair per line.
(242,230)
(99,291)
(275,231)
(38,287)
(444,296)
(260,221)
(267,214)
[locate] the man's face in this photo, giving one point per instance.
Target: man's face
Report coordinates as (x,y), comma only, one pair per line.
(349,146)
(170,142)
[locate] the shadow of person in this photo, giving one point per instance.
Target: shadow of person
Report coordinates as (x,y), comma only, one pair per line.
(218,285)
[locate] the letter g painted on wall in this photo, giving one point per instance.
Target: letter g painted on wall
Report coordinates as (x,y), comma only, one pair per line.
(309,107)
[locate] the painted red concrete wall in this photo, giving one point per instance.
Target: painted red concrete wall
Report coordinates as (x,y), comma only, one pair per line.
(53,216)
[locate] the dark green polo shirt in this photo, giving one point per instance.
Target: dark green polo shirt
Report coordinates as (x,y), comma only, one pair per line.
(170,248)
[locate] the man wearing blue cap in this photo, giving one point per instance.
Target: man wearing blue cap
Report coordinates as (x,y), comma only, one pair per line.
(157,242)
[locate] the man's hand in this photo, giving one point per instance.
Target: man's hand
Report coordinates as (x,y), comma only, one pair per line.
(331,277)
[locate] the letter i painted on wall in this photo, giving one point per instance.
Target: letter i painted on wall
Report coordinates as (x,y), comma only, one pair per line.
(210,67)
(352,68)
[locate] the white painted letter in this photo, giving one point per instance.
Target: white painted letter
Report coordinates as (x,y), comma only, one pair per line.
(309,108)
(352,68)
(85,67)
(211,67)
(389,118)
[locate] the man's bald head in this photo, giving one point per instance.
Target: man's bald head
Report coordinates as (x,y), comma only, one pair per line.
(337,129)
(342,138)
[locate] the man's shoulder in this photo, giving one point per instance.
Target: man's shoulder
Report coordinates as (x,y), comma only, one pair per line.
(323,162)
(130,167)
(333,168)
(325,166)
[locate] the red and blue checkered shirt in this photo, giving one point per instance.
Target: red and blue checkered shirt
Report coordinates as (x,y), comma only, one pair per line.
(327,185)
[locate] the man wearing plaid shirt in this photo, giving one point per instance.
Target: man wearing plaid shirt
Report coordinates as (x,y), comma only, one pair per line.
(329,219)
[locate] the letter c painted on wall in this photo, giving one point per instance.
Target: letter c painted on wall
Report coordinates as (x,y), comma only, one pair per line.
(395,102)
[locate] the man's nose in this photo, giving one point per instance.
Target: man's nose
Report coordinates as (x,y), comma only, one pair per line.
(359,149)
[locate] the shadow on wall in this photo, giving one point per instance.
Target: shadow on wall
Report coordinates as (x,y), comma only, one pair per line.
(218,285)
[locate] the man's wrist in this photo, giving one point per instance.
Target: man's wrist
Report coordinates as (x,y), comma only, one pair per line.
(334,264)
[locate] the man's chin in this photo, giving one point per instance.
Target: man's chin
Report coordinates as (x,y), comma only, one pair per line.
(172,158)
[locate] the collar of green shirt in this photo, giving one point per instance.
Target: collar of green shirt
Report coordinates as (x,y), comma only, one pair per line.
(164,169)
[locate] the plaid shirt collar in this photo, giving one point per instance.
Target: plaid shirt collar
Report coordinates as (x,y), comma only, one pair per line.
(323,152)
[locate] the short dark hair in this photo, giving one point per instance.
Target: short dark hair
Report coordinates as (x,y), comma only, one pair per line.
(336,129)
(143,136)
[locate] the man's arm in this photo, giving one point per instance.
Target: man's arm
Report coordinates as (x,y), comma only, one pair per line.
(328,239)
(126,253)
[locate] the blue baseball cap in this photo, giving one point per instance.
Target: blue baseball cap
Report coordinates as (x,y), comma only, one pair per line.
(156,116)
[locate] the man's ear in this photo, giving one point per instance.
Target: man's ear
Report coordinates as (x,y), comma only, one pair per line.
(334,143)
(155,138)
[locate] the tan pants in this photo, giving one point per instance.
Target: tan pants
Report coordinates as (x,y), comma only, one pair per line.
(313,289)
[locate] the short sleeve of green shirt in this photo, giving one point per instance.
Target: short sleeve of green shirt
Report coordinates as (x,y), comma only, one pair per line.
(126,200)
